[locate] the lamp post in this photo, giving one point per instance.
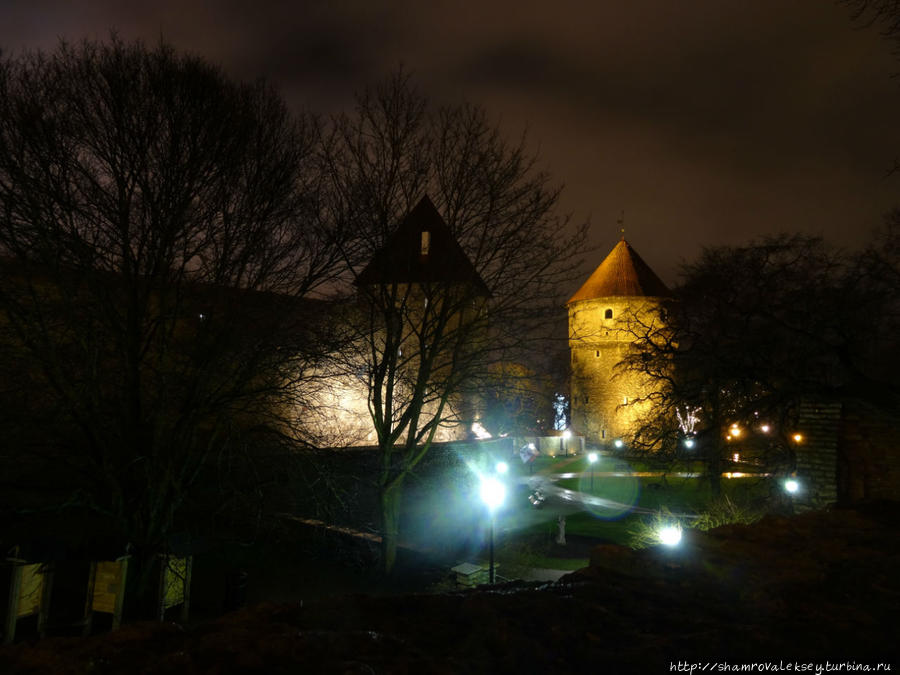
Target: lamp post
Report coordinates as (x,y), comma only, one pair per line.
(492,494)
(592,457)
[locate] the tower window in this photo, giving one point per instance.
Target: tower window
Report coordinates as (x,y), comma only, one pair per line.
(426,242)
(597,354)
(607,314)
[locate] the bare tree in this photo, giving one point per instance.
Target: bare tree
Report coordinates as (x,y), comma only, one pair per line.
(158,227)
(430,339)
(754,330)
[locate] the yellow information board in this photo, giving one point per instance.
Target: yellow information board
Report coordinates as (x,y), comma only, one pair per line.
(109,582)
(174,575)
(30,590)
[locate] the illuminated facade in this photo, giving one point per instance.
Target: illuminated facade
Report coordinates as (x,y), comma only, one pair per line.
(620,299)
(417,297)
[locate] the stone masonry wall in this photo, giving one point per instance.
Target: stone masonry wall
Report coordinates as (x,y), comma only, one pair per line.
(602,397)
(817,454)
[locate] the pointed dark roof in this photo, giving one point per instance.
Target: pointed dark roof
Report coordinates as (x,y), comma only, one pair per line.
(401,259)
(622,273)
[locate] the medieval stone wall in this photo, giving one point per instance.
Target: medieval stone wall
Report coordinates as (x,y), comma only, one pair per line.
(604,404)
(817,453)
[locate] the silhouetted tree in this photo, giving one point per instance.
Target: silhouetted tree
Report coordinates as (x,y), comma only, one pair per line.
(158,226)
(753,330)
(428,344)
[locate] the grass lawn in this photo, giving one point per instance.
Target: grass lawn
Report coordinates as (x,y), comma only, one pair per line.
(533,545)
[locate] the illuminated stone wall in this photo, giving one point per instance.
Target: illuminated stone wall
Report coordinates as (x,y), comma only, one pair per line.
(603,399)
(334,409)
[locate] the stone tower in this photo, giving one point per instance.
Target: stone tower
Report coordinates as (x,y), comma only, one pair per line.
(622,290)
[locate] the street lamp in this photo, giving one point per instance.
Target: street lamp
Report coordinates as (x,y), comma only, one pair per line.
(492,493)
(592,457)
(564,441)
(669,535)
(791,486)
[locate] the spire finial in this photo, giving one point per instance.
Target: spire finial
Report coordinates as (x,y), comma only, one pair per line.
(621,223)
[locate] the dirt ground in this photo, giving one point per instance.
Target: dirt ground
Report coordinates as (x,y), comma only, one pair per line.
(817,592)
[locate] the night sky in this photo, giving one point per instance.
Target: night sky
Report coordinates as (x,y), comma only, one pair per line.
(708,122)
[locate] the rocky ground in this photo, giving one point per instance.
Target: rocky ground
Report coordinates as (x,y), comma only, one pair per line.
(813,590)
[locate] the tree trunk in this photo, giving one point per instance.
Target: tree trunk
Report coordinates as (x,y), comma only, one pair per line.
(391,498)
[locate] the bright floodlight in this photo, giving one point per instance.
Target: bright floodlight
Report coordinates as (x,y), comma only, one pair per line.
(592,457)
(791,485)
(689,442)
(502,467)
(669,535)
(567,434)
(797,438)
(531,446)
(618,443)
(492,492)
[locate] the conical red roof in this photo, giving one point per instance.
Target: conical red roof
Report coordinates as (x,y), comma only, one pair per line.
(622,273)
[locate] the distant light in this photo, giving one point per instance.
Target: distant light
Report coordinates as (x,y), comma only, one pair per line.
(567,434)
(618,443)
(480,432)
(670,535)
(798,438)
(502,467)
(765,428)
(736,457)
(592,457)
(791,485)
(201,316)
(735,430)
(492,492)
(531,446)
(689,442)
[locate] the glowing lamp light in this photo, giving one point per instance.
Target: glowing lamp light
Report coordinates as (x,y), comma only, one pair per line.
(567,433)
(618,443)
(502,467)
(765,428)
(480,432)
(531,446)
(689,442)
(791,486)
(797,438)
(592,457)
(736,457)
(735,431)
(670,535)
(492,493)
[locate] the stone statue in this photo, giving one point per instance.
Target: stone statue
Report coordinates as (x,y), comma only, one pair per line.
(561,535)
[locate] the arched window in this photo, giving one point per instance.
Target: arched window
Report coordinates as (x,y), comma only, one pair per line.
(607,314)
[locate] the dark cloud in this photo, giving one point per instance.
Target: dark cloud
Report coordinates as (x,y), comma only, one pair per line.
(708,122)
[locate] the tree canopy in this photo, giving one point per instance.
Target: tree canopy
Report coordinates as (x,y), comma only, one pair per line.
(159,226)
